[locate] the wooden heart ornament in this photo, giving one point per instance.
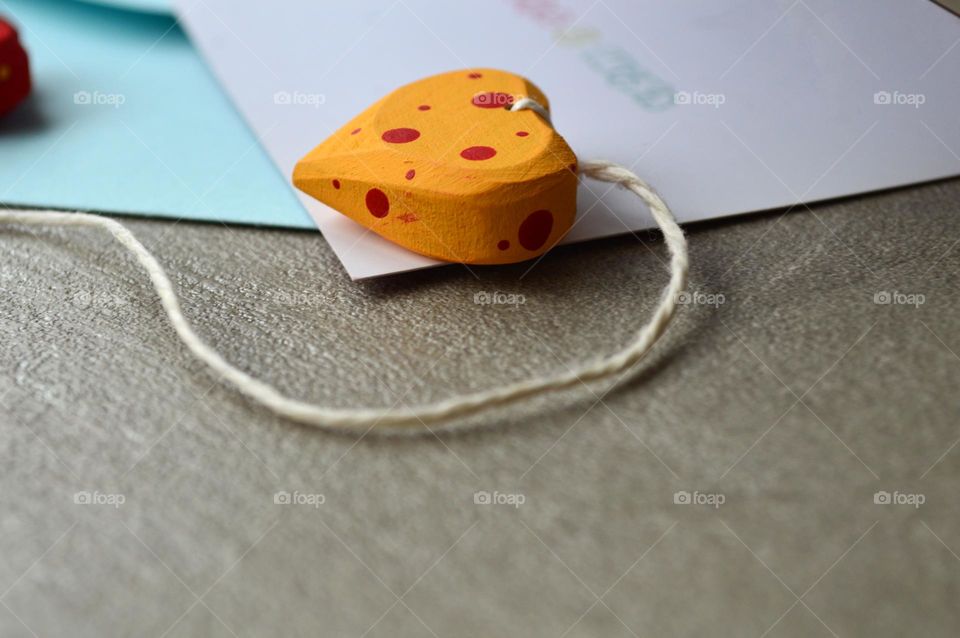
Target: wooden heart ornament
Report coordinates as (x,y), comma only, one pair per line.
(444,168)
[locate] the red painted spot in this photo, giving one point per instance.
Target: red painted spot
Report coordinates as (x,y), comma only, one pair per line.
(503,244)
(400,135)
(492,100)
(535,229)
(423,107)
(336,184)
(377,202)
(475,76)
(354,131)
(477,153)
(410,174)
(522,134)
(408,218)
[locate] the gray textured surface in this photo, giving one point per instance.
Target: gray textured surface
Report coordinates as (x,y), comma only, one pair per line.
(796,399)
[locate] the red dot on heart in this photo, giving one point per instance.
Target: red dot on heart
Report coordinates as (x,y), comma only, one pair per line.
(535,229)
(477,153)
(423,107)
(354,131)
(503,244)
(377,202)
(492,100)
(475,76)
(400,135)
(522,134)
(336,184)
(410,174)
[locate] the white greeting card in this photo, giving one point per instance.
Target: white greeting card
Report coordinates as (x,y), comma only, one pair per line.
(727,107)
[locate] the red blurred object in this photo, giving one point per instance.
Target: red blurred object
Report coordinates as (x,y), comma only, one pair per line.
(14,70)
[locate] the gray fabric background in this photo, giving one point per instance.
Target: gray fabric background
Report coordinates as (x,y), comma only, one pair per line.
(796,400)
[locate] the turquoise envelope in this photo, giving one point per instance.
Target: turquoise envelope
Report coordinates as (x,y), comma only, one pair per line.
(125,117)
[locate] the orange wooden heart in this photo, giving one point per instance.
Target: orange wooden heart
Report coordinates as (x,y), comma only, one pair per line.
(443,168)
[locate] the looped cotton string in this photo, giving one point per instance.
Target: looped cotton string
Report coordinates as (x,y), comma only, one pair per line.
(441,411)
(531,104)
(448,409)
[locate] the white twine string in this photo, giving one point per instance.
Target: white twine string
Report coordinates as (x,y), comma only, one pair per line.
(441,411)
(528,103)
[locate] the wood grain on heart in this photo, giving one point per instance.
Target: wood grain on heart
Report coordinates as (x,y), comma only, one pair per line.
(443,168)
